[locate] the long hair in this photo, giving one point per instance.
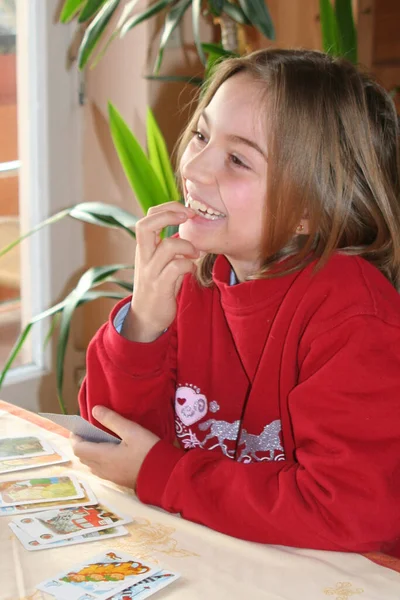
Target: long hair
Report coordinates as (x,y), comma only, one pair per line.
(333,139)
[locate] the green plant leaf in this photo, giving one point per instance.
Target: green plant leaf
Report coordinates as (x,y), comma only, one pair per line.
(171,230)
(92,276)
(126,13)
(197,81)
(95,30)
(146,14)
(54,310)
(196,20)
(54,324)
(216,7)
(104,215)
(330,37)
(159,157)
(218,50)
(235,12)
(346,29)
(57,217)
(258,14)
(24,334)
(69,9)
(215,54)
(138,170)
(91,8)
(171,21)
(97,213)
(125,285)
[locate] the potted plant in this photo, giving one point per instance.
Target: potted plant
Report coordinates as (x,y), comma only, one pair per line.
(150,172)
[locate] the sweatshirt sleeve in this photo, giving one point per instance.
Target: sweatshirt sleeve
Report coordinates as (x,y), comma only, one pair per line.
(135,379)
(342,491)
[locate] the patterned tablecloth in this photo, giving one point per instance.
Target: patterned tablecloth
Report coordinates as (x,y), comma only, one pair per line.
(212,565)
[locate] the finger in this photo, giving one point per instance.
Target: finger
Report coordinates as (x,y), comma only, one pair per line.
(148,229)
(113,421)
(91,451)
(170,249)
(174,272)
(173,205)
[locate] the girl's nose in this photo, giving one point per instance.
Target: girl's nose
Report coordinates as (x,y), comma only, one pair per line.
(200,168)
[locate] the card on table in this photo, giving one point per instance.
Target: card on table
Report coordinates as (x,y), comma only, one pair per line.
(62,523)
(148,586)
(99,578)
(26,446)
(44,489)
(33,545)
(33,462)
(81,427)
(87,499)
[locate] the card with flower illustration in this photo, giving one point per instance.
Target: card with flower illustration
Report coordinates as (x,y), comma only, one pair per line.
(98,579)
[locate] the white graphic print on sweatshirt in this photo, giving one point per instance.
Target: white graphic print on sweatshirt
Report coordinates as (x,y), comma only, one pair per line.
(191,406)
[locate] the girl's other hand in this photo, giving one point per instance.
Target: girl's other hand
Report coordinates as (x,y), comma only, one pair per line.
(160,266)
(121,462)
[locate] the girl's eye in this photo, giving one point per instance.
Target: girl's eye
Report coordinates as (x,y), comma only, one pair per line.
(198,135)
(236,161)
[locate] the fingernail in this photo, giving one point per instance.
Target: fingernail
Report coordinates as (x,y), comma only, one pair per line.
(182,216)
(98,412)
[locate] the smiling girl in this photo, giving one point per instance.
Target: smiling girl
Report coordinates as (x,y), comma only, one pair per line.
(254,376)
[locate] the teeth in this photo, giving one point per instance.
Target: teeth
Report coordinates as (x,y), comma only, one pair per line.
(202,209)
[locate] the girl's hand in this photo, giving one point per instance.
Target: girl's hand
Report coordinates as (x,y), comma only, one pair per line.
(119,463)
(160,266)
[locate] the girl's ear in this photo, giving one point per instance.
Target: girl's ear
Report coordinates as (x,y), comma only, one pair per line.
(303,228)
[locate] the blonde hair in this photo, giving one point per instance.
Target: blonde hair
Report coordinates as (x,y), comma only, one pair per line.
(333,156)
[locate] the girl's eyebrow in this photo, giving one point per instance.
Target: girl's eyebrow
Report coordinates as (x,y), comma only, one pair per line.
(237,138)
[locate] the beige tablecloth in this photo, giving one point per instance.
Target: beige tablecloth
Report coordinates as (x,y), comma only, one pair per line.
(212,565)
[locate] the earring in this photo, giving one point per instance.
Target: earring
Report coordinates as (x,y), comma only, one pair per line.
(300,228)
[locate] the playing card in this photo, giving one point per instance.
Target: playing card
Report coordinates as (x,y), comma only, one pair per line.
(81,427)
(148,586)
(17,447)
(62,523)
(87,499)
(45,489)
(33,545)
(20,464)
(102,577)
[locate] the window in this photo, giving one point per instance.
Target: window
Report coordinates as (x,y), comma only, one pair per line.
(44,176)
(10,313)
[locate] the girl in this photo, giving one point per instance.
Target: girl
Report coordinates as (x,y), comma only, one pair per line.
(254,376)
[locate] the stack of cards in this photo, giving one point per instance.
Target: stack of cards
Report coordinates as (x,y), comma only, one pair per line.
(66,526)
(63,511)
(28,452)
(110,574)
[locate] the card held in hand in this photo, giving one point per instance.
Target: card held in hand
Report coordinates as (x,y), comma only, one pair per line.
(81,427)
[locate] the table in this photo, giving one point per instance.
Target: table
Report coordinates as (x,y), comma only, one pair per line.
(212,565)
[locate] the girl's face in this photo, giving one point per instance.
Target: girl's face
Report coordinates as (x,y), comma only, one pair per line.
(224,175)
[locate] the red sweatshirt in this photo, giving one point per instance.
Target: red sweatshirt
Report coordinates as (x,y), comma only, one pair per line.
(284,396)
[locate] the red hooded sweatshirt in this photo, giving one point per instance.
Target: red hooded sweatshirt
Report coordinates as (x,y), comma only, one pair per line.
(284,397)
